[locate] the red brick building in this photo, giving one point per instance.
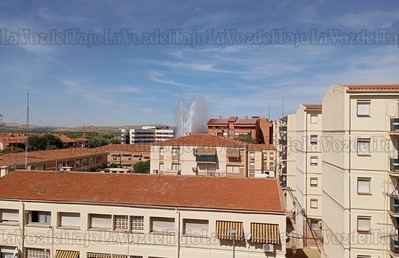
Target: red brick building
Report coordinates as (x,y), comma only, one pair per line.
(261,129)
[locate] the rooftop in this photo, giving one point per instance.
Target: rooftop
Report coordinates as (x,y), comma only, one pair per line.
(313,107)
(373,87)
(125,148)
(235,120)
(47,155)
(202,140)
(244,194)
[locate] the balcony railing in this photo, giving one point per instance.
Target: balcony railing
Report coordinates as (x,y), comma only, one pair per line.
(206,158)
(395,124)
(395,204)
(395,165)
(395,245)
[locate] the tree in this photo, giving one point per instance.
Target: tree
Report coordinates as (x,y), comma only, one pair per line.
(246,138)
(142,167)
(10,149)
(44,142)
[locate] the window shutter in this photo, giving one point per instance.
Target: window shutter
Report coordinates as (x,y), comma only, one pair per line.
(363,185)
(163,224)
(196,227)
(363,108)
(10,215)
(101,221)
(70,219)
(363,224)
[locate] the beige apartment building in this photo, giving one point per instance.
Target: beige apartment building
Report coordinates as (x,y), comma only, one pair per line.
(139,216)
(308,173)
(204,154)
(125,155)
(360,171)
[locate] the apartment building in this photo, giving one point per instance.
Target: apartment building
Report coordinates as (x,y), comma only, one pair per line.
(360,171)
(81,159)
(147,134)
(285,140)
(125,155)
(139,216)
(309,173)
(204,154)
(260,129)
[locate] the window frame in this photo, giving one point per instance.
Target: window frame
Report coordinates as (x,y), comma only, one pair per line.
(314,116)
(363,102)
(9,222)
(313,200)
(312,184)
(32,223)
(363,140)
(368,218)
(90,222)
(186,220)
(314,158)
(314,136)
(164,232)
(363,179)
(59,225)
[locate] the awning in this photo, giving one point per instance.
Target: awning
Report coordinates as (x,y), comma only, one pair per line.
(233,153)
(206,151)
(265,233)
(223,230)
(66,254)
(98,255)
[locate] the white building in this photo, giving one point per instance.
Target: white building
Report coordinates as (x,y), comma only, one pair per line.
(146,134)
(360,171)
(96,215)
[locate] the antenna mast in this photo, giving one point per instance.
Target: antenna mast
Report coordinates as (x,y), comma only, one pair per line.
(27,129)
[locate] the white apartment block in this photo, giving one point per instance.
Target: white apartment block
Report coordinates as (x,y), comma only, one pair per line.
(308,173)
(210,155)
(146,134)
(360,171)
(139,216)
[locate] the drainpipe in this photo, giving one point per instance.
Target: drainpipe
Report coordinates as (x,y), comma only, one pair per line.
(177,218)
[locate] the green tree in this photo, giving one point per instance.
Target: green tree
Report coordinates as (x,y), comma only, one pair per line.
(44,142)
(246,138)
(142,167)
(11,149)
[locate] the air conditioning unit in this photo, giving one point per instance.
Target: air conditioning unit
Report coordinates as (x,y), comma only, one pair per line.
(268,248)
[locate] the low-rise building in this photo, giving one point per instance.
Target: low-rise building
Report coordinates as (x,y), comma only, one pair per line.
(123,215)
(204,154)
(125,155)
(260,129)
(147,134)
(81,159)
(11,140)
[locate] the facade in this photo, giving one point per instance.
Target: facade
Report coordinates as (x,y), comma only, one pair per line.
(125,155)
(147,134)
(260,129)
(308,173)
(187,217)
(360,171)
(204,154)
(80,159)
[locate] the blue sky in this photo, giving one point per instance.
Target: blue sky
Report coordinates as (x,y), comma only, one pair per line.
(129,84)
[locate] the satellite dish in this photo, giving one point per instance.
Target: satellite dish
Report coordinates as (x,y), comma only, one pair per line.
(247,236)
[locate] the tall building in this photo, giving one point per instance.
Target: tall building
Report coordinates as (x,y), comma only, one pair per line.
(360,171)
(260,129)
(147,134)
(96,215)
(204,154)
(308,173)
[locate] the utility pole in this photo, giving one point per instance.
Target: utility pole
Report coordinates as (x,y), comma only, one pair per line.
(27,130)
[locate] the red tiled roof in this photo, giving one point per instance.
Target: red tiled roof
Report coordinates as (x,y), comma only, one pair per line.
(258,147)
(125,148)
(261,195)
(202,140)
(67,139)
(12,139)
(315,107)
(372,87)
(47,155)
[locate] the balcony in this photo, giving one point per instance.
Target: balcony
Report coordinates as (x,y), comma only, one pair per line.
(394,169)
(394,205)
(394,126)
(282,142)
(394,246)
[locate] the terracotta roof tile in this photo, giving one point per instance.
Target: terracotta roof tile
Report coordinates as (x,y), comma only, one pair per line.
(261,195)
(202,140)
(372,87)
(12,139)
(257,147)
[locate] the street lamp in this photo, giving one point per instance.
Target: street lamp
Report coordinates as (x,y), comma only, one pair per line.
(233,233)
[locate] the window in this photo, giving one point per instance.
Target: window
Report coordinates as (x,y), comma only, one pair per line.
(163,225)
(271,165)
(97,221)
(161,167)
(161,151)
(67,219)
(9,216)
(363,224)
(7,252)
(314,181)
(313,139)
(121,222)
(314,203)
(314,160)
(175,166)
(39,217)
(232,169)
(314,119)
(363,108)
(363,146)
(175,151)
(37,253)
(252,155)
(137,222)
(363,185)
(195,227)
